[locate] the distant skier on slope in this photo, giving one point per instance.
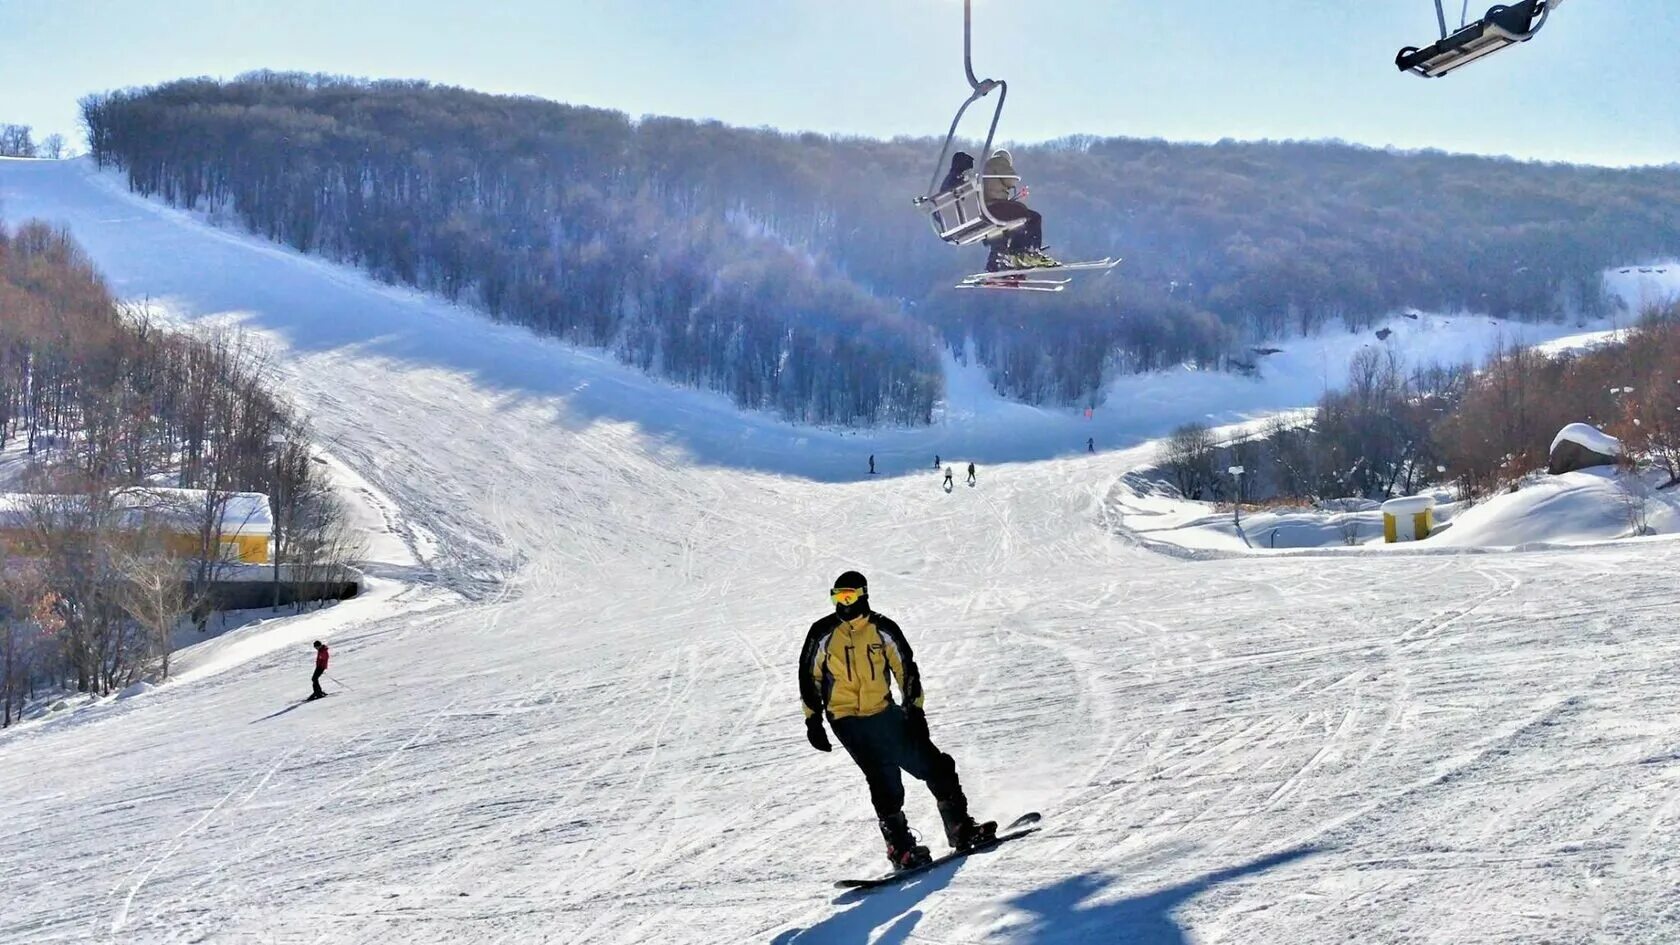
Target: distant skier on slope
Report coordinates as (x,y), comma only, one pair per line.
(846,668)
(948,484)
(321,657)
(971,479)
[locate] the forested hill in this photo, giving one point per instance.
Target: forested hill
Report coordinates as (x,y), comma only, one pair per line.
(791,272)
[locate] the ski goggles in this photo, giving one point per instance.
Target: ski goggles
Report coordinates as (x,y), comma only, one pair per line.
(846,596)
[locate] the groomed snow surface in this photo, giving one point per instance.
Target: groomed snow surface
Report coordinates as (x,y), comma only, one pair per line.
(591,733)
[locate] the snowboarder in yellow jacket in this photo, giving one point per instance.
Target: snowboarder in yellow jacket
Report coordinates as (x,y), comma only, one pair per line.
(846,669)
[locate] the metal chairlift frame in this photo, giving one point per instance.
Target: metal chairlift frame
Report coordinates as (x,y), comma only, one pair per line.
(965,205)
(1503,26)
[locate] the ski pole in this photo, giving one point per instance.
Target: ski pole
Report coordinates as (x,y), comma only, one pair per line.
(335,680)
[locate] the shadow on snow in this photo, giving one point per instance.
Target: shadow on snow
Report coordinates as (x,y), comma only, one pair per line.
(890,906)
(1067,912)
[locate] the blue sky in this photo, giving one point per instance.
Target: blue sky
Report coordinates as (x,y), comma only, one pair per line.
(1598,86)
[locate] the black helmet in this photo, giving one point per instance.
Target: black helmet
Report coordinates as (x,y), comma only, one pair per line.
(851,581)
(319,644)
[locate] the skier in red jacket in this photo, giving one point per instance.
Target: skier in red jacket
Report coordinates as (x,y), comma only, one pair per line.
(320,667)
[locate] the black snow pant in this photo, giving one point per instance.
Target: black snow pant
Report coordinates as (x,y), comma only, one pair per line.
(315,681)
(1029,235)
(882,746)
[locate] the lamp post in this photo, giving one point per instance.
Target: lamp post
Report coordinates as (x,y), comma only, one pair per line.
(279,443)
(1236,500)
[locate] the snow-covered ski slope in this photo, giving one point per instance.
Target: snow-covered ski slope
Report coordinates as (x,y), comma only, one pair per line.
(587,729)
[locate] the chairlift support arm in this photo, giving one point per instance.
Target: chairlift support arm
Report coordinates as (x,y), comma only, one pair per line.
(978,89)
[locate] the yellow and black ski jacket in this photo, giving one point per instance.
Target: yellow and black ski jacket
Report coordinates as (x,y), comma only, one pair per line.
(847,666)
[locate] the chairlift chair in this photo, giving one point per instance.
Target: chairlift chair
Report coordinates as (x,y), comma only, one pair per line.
(1503,26)
(959,216)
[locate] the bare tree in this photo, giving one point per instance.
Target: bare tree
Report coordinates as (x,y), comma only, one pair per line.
(1188,457)
(155,597)
(52,146)
(16,141)
(29,622)
(1295,454)
(321,543)
(1348,526)
(75,535)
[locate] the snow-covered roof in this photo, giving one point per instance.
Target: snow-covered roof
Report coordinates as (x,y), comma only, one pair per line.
(1590,437)
(1408,505)
(246,513)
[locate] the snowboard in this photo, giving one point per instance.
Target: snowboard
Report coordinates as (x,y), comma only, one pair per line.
(1019,827)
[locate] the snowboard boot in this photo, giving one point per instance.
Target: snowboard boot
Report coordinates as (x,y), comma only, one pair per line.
(961,830)
(902,849)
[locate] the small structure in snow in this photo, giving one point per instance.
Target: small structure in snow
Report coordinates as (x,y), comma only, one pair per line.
(1582,446)
(175,516)
(1411,518)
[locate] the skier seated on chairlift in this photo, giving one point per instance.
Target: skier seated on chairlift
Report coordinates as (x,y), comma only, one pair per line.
(1001,189)
(1020,247)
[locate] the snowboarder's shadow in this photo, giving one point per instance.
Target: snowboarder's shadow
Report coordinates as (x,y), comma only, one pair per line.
(892,906)
(1068,911)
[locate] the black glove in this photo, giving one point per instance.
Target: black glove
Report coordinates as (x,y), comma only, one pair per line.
(814,733)
(915,723)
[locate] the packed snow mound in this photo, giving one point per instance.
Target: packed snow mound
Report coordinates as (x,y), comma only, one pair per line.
(136,689)
(1588,505)
(1409,505)
(1589,436)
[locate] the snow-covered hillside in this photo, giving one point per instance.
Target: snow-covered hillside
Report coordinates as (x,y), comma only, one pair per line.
(578,721)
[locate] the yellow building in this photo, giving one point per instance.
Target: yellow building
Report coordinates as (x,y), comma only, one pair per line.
(1408,519)
(243,534)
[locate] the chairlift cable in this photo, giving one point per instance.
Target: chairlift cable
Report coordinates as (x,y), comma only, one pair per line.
(980,88)
(968,43)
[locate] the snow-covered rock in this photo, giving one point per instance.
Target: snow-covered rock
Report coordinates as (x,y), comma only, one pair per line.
(1582,446)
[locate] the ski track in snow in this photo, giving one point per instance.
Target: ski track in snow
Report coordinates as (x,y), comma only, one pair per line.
(592,733)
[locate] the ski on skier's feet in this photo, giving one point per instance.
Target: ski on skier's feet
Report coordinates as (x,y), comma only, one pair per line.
(1019,827)
(1017,284)
(1107,262)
